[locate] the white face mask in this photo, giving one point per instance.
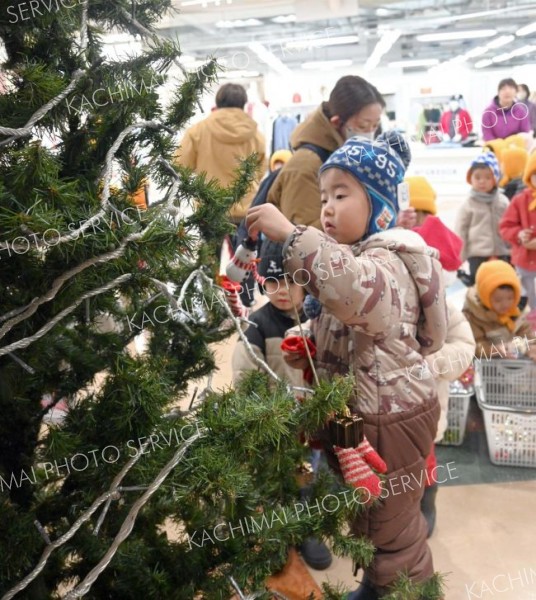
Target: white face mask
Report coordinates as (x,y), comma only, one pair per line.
(454,105)
(521,96)
(349,133)
(449,278)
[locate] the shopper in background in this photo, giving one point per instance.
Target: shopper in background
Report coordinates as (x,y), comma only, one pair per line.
(455,357)
(504,116)
(477,222)
(354,108)
(512,161)
(523,95)
(217,144)
(518,227)
(491,307)
(380,317)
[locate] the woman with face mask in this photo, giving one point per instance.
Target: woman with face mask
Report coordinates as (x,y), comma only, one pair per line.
(523,95)
(354,108)
(505,116)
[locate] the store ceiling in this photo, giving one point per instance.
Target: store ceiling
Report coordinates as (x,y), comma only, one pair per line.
(281,35)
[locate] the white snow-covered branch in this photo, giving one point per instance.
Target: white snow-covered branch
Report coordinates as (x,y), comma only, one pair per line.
(112,494)
(40,113)
(30,309)
(25,342)
(128,524)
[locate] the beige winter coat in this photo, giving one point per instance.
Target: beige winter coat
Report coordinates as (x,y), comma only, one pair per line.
(477,223)
(383,311)
(451,361)
(491,335)
(216,146)
(295,191)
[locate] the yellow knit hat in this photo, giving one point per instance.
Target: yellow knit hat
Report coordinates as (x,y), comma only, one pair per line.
(421,194)
(530,169)
(495,146)
(516,140)
(513,161)
(489,277)
(279,156)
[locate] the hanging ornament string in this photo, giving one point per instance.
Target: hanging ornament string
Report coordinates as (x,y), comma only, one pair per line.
(302,334)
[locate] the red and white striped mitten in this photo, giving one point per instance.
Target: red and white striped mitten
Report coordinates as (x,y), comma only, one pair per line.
(356,466)
(232,296)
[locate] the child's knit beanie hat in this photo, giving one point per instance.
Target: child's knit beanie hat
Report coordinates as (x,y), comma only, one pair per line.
(486,159)
(271,260)
(280,156)
(439,236)
(513,161)
(422,195)
(530,169)
(491,275)
(379,166)
(495,146)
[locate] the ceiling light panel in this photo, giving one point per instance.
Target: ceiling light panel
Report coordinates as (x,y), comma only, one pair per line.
(205,3)
(327,64)
(501,41)
(425,62)
(282,19)
(527,29)
(385,43)
(238,23)
(322,42)
(455,35)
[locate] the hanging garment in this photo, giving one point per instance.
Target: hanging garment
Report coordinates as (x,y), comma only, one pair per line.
(283,127)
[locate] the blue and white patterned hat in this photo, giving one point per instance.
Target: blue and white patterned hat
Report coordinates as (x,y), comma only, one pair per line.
(486,159)
(379,166)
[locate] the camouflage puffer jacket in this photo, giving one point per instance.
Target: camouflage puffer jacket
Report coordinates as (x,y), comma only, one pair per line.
(384,309)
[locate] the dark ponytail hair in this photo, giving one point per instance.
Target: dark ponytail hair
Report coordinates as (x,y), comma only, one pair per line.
(351,94)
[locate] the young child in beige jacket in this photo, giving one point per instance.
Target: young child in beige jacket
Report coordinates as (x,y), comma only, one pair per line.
(478,219)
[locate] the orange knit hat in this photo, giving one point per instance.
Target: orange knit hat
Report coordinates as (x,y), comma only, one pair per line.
(513,161)
(491,275)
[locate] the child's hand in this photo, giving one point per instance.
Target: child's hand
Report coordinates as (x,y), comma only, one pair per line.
(294,353)
(524,236)
(295,360)
(512,350)
(532,353)
(531,244)
(269,220)
(407,218)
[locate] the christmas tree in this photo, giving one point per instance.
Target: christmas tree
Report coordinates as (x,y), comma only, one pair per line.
(128,496)
(87,505)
